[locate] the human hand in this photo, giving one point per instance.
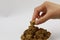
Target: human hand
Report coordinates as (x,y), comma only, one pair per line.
(49,11)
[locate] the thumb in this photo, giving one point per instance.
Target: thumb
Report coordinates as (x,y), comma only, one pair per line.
(43,19)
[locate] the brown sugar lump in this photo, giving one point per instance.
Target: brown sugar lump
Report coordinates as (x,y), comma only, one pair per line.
(32,23)
(35,33)
(42,33)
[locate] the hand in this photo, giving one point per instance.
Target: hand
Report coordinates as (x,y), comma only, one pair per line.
(49,11)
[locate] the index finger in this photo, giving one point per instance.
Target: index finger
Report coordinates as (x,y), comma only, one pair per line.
(37,10)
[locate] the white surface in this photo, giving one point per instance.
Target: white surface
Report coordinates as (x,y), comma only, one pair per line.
(15,16)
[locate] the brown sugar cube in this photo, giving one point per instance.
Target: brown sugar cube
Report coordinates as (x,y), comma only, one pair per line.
(41,36)
(32,23)
(33,29)
(35,36)
(34,39)
(48,34)
(28,32)
(38,36)
(40,39)
(22,37)
(44,39)
(28,37)
(44,31)
(38,32)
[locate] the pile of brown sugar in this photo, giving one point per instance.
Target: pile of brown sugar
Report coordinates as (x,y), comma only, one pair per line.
(35,33)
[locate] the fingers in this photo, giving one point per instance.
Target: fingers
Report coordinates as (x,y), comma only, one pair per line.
(43,19)
(38,16)
(35,14)
(37,10)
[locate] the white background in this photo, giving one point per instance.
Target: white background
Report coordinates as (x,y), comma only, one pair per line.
(15,16)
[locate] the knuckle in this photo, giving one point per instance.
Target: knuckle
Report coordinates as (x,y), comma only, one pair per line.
(46,3)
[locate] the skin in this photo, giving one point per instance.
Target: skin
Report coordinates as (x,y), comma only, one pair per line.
(49,11)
